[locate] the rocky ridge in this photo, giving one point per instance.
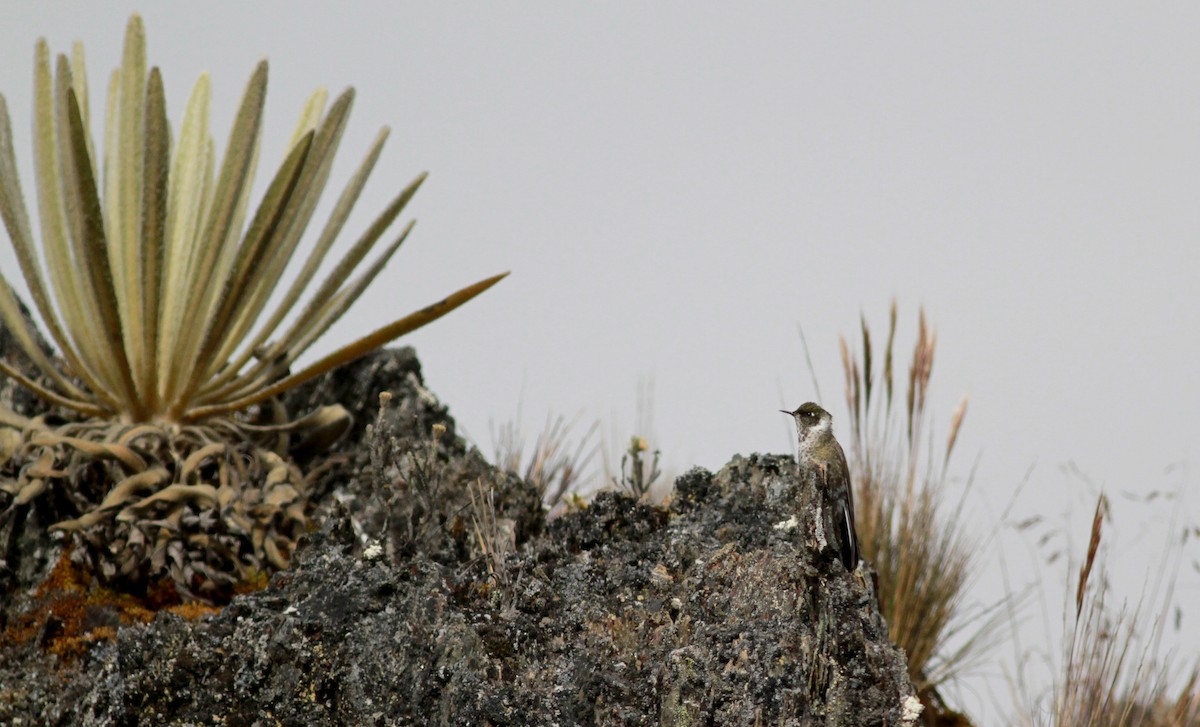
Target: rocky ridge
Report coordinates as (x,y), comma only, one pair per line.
(713,609)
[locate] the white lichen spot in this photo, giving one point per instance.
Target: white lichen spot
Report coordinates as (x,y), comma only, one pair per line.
(789,524)
(373,550)
(911,710)
(291,610)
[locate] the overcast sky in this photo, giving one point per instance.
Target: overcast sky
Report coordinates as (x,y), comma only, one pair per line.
(678,188)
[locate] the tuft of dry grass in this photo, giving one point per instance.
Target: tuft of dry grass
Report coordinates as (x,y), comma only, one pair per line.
(557,465)
(917,543)
(1111,676)
(494,537)
(560,466)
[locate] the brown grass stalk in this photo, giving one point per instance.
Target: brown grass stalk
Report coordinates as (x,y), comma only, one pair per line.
(1111,673)
(1093,545)
(906,527)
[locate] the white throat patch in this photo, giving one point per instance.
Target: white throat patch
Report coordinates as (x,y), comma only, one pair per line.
(816,433)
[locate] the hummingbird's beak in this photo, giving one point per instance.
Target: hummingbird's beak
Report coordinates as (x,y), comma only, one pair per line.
(785,411)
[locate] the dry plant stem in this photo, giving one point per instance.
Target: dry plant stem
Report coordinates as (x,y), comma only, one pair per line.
(1093,545)
(638,475)
(489,534)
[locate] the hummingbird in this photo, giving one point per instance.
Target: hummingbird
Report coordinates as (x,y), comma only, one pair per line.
(821,457)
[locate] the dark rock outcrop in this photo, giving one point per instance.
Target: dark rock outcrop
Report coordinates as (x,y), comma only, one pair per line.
(713,610)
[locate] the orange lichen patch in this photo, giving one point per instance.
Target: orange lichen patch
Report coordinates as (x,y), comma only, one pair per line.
(65,577)
(71,647)
(72,611)
(67,616)
(194,610)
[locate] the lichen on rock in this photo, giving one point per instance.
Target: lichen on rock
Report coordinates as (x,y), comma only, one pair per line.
(701,612)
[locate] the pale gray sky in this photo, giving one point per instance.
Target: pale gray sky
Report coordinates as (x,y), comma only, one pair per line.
(676,187)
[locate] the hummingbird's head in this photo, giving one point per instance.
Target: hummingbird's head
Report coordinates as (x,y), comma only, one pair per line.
(812,422)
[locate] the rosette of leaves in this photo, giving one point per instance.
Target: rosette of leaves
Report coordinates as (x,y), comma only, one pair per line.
(166,436)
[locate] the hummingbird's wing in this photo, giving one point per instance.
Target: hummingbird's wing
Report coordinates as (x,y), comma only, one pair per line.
(850,558)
